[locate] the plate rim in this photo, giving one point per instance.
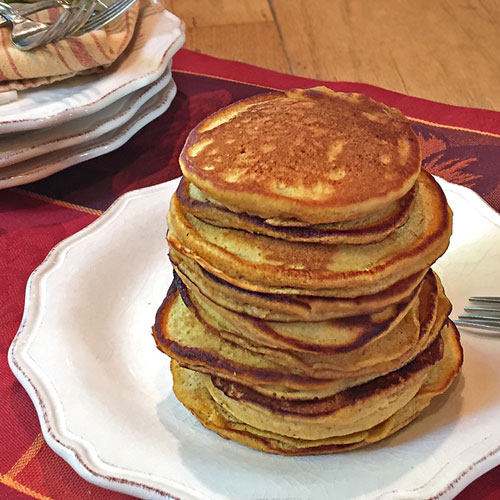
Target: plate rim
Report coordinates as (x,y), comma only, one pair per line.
(79,459)
(131,104)
(108,142)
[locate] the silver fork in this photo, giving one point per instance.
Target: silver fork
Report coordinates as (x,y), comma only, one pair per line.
(20,24)
(81,14)
(485,315)
(27,34)
(104,17)
(73,17)
(32,8)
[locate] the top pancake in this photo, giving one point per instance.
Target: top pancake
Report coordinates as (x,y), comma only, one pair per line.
(313,155)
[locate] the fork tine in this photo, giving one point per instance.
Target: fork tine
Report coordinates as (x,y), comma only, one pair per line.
(479,324)
(495,300)
(484,316)
(83,12)
(53,32)
(69,20)
(76,13)
(473,309)
(113,10)
(106,16)
(90,7)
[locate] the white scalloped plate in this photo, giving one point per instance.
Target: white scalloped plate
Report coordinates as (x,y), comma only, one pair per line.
(102,390)
(159,35)
(15,148)
(42,166)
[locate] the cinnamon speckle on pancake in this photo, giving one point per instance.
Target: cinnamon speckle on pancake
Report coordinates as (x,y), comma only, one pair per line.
(313,155)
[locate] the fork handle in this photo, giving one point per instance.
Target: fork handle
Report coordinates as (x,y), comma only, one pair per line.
(10,13)
(27,10)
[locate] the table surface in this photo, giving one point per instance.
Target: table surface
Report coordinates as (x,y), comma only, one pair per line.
(442,50)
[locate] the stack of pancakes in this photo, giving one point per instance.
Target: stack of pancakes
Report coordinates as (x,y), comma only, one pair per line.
(303,317)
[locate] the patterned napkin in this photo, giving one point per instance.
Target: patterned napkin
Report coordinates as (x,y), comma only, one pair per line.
(57,61)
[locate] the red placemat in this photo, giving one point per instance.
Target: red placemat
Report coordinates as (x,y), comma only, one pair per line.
(461,145)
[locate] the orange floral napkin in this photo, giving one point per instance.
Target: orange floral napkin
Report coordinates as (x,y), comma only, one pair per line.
(57,61)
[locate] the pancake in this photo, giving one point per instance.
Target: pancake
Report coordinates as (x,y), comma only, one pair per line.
(434,308)
(392,346)
(268,265)
(368,229)
(286,307)
(190,388)
(353,410)
(433,315)
(183,337)
(305,155)
(334,336)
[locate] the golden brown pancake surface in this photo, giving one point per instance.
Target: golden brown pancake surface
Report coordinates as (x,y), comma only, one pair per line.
(190,389)
(352,410)
(269,265)
(180,334)
(313,155)
(368,229)
(333,336)
(287,307)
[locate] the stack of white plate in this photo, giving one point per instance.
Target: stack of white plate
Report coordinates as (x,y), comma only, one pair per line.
(53,127)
